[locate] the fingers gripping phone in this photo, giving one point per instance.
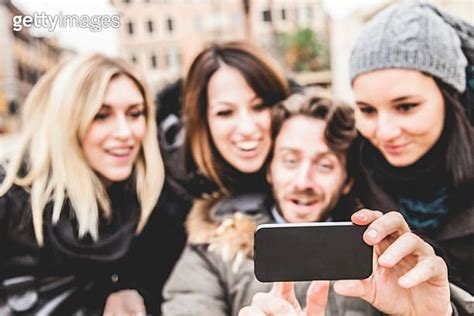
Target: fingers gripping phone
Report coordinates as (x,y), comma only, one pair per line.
(312,251)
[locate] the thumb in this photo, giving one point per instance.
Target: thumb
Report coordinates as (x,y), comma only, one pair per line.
(286,291)
(355,288)
(317,298)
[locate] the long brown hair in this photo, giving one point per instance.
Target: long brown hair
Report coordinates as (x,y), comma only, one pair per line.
(261,74)
(460,144)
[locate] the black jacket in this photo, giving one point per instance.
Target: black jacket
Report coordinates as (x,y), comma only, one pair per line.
(453,240)
(79,273)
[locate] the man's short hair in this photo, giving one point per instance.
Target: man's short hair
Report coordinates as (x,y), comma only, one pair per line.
(318,103)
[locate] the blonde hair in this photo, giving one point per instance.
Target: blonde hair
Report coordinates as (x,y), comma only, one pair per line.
(49,160)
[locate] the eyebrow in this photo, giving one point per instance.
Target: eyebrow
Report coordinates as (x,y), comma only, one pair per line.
(128,106)
(403,98)
(294,150)
(395,100)
(224,102)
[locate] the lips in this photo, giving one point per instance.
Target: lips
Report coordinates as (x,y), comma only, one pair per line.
(247,149)
(248,145)
(394,149)
(119,152)
(303,200)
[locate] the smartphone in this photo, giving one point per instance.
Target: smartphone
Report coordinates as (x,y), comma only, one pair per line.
(312,251)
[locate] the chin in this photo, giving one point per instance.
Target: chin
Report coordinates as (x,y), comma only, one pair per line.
(400,162)
(118,176)
(249,168)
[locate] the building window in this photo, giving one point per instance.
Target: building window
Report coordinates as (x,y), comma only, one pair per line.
(150,26)
(267,15)
(170,25)
(173,58)
(130,28)
(303,15)
(154,63)
(283,14)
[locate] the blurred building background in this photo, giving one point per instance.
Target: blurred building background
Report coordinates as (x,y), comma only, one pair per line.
(163,36)
(345,30)
(23,60)
(311,39)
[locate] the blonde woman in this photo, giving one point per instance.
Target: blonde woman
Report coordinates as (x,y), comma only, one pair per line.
(77,191)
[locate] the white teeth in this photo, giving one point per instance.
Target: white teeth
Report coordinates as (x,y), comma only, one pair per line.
(249,145)
(303,203)
(119,152)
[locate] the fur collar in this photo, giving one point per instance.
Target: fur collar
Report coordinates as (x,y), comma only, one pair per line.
(227,225)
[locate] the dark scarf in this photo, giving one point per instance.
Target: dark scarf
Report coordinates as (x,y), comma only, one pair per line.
(421,190)
(115,234)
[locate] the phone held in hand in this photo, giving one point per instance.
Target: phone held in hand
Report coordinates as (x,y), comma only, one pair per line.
(311,251)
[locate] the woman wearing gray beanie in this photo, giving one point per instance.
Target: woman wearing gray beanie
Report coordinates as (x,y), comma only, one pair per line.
(416,154)
(408,72)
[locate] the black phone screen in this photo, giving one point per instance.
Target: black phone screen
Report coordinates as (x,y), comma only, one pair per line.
(315,251)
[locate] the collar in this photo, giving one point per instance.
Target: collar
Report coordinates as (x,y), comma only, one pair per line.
(277,217)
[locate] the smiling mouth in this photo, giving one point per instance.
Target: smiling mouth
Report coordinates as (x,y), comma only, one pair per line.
(120,152)
(304,202)
(248,145)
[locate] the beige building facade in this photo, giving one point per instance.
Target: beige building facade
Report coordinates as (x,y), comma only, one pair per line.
(23,60)
(163,36)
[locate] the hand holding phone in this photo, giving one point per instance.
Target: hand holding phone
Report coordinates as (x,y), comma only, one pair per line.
(312,251)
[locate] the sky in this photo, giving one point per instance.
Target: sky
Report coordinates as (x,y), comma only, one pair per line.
(106,41)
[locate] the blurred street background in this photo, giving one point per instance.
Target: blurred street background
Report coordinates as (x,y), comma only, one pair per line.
(311,39)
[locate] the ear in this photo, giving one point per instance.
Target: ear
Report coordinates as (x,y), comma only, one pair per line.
(348,186)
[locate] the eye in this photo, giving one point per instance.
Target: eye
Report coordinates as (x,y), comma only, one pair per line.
(224,113)
(406,107)
(259,107)
(101,116)
(290,161)
(367,110)
(136,113)
(325,166)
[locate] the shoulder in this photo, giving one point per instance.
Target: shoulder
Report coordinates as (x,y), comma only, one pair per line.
(14,202)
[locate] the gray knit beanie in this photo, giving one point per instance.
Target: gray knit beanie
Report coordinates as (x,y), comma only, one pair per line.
(413,36)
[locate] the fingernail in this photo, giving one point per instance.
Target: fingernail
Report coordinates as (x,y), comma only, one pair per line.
(386,258)
(405,281)
(372,233)
(362,215)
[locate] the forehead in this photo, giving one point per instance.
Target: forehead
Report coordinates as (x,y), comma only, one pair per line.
(392,83)
(228,83)
(122,91)
(303,134)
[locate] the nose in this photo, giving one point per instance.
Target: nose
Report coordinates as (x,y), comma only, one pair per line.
(305,177)
(387,128)
(122,127)
(246,124)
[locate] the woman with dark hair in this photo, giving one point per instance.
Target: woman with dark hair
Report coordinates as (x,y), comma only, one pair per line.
(216,131)
(408,72)
(215,128)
